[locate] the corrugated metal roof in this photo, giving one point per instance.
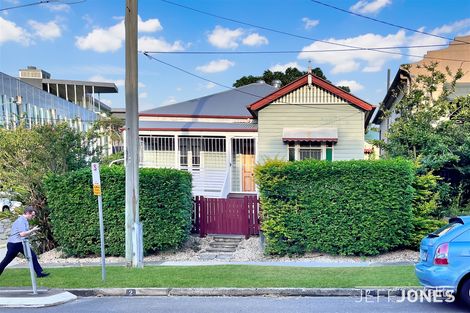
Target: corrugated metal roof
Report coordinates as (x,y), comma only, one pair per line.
(227,103)
(169,125)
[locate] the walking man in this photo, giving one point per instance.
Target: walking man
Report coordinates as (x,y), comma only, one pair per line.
(19,230)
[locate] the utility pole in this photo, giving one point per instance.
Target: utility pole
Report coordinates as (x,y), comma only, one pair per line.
(134,253)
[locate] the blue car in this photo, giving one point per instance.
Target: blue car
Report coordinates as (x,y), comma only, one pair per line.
(444,260)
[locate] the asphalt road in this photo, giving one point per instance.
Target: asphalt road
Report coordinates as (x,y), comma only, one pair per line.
(247,304)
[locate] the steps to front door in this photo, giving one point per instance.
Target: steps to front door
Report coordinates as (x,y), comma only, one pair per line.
(221,247)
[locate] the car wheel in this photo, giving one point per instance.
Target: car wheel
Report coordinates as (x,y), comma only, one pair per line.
(464,292)
(5,208)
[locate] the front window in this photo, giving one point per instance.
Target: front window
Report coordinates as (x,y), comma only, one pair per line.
(310,150)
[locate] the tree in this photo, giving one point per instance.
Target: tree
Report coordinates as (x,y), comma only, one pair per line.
(108,127)
(289,75)
(434,130)
(28,155)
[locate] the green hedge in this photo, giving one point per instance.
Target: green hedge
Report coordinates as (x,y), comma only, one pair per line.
(165,210)
(341,207)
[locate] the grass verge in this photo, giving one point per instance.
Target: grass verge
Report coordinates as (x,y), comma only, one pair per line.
(239,276)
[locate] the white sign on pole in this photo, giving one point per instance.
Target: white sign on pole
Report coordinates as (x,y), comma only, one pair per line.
(95,170)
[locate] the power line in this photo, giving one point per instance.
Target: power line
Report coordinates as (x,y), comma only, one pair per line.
(295,51)
(225,86)
(387,23)
(38,3)
(290,34)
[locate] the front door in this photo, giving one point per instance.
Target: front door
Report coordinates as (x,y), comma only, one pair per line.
(248,179)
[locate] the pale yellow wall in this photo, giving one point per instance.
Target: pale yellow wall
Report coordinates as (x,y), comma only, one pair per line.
(348,119)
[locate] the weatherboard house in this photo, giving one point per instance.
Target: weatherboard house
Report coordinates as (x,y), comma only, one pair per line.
(220,137)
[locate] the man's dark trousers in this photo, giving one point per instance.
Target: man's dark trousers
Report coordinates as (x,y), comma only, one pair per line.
(12,251)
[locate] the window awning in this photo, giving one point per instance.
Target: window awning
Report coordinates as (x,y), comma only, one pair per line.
(310,134)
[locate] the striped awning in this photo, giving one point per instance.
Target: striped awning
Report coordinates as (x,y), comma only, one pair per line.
(310,134)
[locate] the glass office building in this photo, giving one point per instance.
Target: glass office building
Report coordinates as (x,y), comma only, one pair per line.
(22,101)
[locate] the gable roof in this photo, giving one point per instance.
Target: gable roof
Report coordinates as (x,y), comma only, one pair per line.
(302,81)
(227,104)
(401,79)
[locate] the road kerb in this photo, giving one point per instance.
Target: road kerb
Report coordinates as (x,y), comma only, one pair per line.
(243,292)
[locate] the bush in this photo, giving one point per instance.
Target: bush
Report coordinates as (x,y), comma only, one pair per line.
(342,207)
(427,216)
(165,210)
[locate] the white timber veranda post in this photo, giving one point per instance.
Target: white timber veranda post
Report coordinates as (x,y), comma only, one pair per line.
(134,253)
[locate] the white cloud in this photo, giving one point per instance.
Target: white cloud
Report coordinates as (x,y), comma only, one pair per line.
(365,6)
(102,39)
(149,26)
(222,37)
(111,39)
(283,67)
(309,24)
(46,31)
(147,43)
(11,32)
(347,61)
(216,66)
(62,7)
(255,39)
(143,95)
(352,84)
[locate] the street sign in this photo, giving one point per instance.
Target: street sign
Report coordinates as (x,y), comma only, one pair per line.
(96,190)
(95,172)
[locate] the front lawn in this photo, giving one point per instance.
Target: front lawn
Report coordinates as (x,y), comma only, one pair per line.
(240,276)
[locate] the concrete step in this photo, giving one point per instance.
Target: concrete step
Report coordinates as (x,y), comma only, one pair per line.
(215,236)
(220,239)
(220,249)
(223,245)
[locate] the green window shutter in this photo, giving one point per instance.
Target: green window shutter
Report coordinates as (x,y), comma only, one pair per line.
(329,154)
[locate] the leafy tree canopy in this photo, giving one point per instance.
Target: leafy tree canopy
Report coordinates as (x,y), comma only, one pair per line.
(286,77)
(434,129)
(28,155)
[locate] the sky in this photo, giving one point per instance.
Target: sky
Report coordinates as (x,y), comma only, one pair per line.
(85,41)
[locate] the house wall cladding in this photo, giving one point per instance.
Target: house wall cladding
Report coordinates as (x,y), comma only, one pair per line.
(347,119)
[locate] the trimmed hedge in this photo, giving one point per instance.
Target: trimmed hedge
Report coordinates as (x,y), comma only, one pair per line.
(341,207)
(165,210)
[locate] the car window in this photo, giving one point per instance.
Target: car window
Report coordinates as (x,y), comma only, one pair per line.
(463,237)
(444,229)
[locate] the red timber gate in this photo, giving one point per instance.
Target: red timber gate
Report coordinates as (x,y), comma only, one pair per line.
(232,216)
